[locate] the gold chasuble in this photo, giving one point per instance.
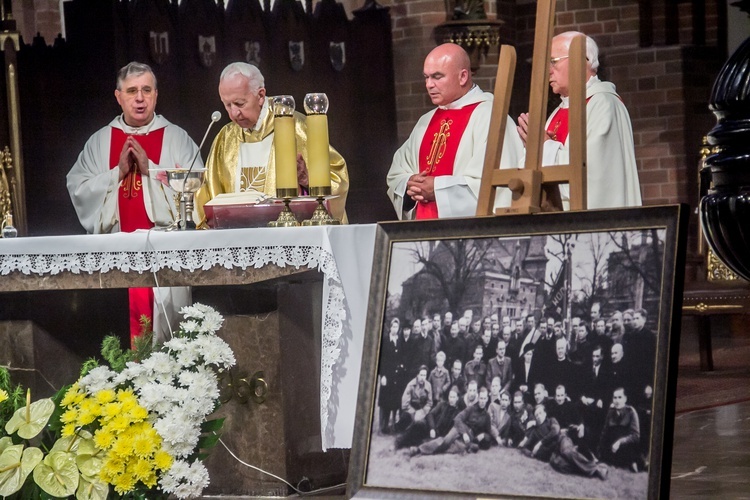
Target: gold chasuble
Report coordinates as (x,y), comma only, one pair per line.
(437,153)
(225,175)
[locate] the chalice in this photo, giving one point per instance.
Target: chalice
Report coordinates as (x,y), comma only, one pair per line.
(186,182)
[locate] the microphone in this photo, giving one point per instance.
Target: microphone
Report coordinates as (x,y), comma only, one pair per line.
(215,117)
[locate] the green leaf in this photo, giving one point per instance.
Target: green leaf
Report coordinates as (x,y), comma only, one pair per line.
(92,488)
(16,463)
(213,425)
(58,474)
(29,422)
(206,442)
(55,425)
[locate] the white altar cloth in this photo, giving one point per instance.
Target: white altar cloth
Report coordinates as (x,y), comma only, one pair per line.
(342,253)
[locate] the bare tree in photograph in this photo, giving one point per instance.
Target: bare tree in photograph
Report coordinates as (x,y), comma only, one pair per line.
(452,264)
(638,260)
(594,277)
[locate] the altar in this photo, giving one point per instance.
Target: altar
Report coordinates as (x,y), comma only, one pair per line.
(290,259)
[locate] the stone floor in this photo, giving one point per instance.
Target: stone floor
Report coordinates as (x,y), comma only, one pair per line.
(711,453)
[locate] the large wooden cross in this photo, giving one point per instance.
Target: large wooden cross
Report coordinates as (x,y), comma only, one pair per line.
(526,184)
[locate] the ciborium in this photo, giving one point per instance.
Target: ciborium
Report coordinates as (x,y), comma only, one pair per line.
(725,209)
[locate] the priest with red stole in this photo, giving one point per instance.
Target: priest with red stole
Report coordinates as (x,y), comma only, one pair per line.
(611,170)
(438,170)
(113,184)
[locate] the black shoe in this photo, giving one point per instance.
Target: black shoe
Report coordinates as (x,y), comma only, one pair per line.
(602,471)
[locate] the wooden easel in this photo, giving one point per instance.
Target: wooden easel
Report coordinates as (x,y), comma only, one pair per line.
(526,183)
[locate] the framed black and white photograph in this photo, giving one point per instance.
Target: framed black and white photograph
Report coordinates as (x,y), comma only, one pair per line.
(527,355)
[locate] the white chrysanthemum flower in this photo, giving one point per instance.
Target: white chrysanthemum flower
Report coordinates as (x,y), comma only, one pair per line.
(156,397)
(215,351)
(177,344)
(185,481)
(212,322)
(97,379)
(179,434)
(190,326)
(193,311)
(160,363)
(201,380)
(186,352)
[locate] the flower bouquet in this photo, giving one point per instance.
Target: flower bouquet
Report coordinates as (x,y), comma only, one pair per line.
(134,429)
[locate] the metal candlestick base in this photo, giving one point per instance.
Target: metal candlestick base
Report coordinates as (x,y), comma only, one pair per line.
(286,217)
(320,216)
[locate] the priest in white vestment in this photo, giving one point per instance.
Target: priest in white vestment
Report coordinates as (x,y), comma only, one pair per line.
(438,170)
(611,173)
(113,184)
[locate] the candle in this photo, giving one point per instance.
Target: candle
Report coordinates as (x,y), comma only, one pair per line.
(319,162)
(318,159)
(285,145)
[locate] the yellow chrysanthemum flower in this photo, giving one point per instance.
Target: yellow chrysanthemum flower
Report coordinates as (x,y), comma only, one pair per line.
(124,483)
(142,469)
(71,396)
(150,480)
(163,460)
(68,430)
(69,416)
(138,413)
(128,399)
(123,446)
(103,438)
(143,447)
(111,468)
(110,411)
(3,395)
(89,410)
(120,423)
(105,396)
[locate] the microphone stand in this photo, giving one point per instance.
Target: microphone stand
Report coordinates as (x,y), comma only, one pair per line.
(186,200)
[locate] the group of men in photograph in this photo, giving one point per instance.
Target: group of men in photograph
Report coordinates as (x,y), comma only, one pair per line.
(576,395)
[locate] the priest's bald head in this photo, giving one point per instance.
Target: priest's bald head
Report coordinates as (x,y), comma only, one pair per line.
(447,74)
(558,67)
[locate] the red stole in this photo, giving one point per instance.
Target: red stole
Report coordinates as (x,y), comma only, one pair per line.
(133,215)
(437,153)
(130,200)
(558,125)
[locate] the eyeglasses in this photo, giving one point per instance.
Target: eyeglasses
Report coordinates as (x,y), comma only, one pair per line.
(133,91)
(553,62)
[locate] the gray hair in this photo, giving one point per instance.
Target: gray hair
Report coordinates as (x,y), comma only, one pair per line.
(252,73)
(592,49)
(133,68)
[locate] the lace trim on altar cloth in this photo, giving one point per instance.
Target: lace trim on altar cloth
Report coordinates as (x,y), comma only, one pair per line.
(312,257)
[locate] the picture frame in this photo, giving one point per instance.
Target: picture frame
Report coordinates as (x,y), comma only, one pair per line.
(623,259)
